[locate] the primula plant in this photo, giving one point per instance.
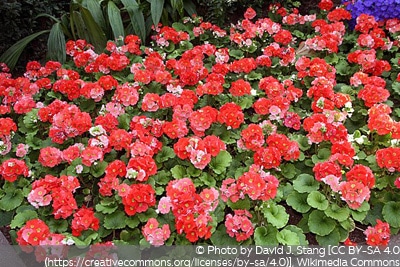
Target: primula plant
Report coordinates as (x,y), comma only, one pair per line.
(260,134)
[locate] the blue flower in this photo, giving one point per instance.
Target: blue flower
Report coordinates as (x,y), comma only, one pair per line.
(381,10)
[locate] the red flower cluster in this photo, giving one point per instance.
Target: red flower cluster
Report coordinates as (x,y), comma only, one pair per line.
(331,34)
(389,158)
(137,198)
(379,235)
(231,114)
(199,151)
(12,168)
(59,190)
(255,183)
(33,233)
(67,121)
(191,210)
(84,219)
(239,225)
(380,121)
(109,182)
(369,63)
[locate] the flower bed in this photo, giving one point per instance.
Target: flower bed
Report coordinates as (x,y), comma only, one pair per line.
(209,136)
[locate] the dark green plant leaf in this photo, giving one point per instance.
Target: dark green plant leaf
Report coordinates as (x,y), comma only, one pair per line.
(391,213)
(331,239)
(97,37)
(12,54)
(95,10)
(320,224)
(114,17)
(298,202)
(11,200)
(56,43)
(156,7)
(137,18)
(116,220)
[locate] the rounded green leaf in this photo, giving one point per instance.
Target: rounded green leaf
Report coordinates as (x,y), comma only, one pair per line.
(275,214)
(298,202)
(221,162)
(337,213)
(21,218)
(331,239)
(288,238)
(288,170)
(221,238)
(116,220)
(11,200)
(391,213)
(317,200)
(266,236)
(320,224)
(305,183)
(302,237)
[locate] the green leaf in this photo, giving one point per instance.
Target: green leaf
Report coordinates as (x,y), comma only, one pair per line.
(391,213)
(254,76)
(266,236)
(56,43)
(236,53)
(288,238)
(95,10)
(331,239)
(137,18)
(114,16)
(116,220)
(317,200)
(178,172)
(298,202)
(189,7)
(57,226)
(6,218)
(275,214)
(299,232)
(305,183)
(221,238)
(21,218)
(241,204)
(221,162)
(11,200)
(96,35)
(98,168)
(132,222)
(165,154)
(288,170)
(106,209)
(320,224)
(337,213)
(145,216)
(156,7)
(12,54)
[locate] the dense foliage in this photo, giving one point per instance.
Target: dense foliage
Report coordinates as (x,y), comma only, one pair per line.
(209,136)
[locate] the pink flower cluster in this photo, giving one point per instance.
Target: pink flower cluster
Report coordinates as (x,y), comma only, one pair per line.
(239,225)
(59,190)
(154,234)
(255,183)
(191,210)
